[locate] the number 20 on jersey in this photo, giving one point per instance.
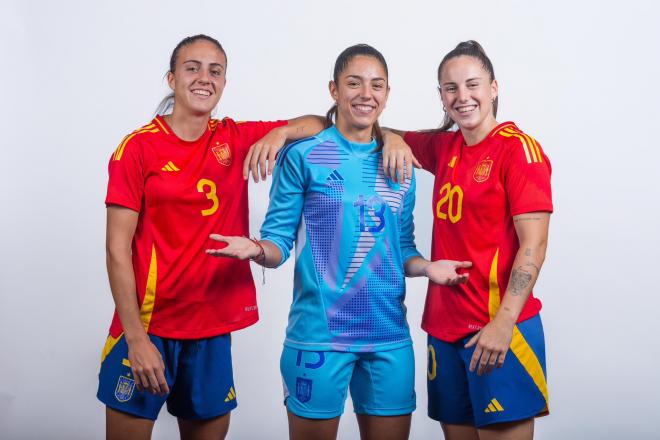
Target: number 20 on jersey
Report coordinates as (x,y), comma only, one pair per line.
(450,203)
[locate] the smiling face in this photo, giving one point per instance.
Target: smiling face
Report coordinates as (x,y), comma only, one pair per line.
(467,94)
(198,78)
(361,92)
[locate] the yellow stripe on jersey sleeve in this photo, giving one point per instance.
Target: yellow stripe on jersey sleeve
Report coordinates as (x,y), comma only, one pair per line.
(510,124)
(150,293)
(120,150)
(529,144)
(522,140)
(507,133)
(536,148)
(162,127)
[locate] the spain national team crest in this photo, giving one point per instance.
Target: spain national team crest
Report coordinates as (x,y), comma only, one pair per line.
(124,390)
(222,152)
(303,389)
(482,172)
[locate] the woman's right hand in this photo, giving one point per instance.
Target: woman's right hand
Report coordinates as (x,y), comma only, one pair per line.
(445,272)
(147,365)
(237,247)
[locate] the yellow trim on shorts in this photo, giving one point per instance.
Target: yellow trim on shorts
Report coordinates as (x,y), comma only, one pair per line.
(433,372)
(521,349)
(109,345)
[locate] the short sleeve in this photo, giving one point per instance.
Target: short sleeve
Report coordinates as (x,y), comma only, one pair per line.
(527,179)
(252,131)
(126,176)
(422,144)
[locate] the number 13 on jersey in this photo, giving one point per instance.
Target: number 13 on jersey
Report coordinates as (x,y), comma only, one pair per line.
(450,203)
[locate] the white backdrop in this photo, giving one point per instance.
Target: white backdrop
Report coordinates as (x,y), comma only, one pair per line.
(579,76)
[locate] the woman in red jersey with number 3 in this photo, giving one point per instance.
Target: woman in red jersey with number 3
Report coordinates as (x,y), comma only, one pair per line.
(172,183)
(492,205)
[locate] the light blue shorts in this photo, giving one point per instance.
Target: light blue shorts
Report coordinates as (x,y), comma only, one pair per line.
(316,382)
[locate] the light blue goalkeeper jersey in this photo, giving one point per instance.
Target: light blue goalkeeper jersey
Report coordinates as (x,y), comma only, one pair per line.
(353,231)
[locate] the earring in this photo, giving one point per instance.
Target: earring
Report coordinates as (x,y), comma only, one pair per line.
(444,109)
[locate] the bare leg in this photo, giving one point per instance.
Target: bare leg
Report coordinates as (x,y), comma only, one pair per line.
(459,432)
(519,430)
(123,426)
(209,429)
(384,428)
(301,428)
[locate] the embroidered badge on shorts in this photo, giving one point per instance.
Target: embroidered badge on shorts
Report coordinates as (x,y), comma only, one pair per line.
(303,389)
(124,390)
(222,152)
(482,171)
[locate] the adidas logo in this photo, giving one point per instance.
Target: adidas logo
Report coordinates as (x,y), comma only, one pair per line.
(494,406)
(169,166)
(335,176)
(231,395)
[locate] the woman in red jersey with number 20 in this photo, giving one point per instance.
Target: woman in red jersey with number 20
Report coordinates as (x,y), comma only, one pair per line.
(172,183)
(492,204)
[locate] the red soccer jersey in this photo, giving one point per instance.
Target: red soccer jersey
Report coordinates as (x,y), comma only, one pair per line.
(185,191)
(478,189)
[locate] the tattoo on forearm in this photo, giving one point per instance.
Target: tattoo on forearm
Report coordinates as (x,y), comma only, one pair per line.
(520,279)
(528,252)
(530,264)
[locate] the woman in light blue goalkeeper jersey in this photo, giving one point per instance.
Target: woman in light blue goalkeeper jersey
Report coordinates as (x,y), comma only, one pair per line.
(353,230)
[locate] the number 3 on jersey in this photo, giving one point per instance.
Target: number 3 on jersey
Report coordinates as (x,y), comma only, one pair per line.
(450,203)
(210,194)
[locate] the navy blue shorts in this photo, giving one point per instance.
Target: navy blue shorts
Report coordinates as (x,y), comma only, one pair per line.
(198,372)
(516,391)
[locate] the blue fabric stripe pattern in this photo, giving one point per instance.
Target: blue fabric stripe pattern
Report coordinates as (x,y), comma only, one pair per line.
(353,231)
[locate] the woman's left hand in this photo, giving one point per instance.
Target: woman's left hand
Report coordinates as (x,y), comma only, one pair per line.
(492,344)
(262,151)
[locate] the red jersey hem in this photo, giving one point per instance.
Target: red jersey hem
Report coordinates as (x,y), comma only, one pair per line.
(451,337)
(124,203)
(533,208)
(208,333)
